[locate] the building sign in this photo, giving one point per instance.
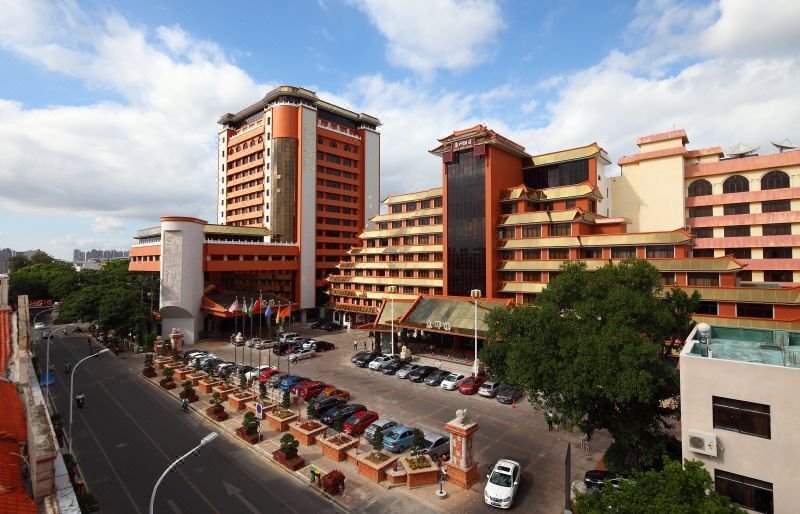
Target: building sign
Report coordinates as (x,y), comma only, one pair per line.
(463,144)
(438,325)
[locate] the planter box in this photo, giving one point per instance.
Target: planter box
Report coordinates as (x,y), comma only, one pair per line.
(236,401)
(149,372)
(167,383)
(160,362)
(207,385)
(396,477)
(333,451)
(174,365)
(217,412)
(292,463)
(251,437)
(196,377)
(192,398)
(223,390)
(265,406)
(372,471)
(420,477)
(182,373)
(306,437)
(278,424)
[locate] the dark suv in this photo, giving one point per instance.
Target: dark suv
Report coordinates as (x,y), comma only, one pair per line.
(364,360)
(435,378)
(340,413)
(419,374)
(323,402)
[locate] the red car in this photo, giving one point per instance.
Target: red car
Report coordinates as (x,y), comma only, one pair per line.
(358,422)
(470,385)
(266,374)
(309,388)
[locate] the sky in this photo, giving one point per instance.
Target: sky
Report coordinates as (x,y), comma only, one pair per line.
(108,110)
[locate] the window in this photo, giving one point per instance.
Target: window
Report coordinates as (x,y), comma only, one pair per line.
(558,253)
(408,240)
(737,231)
(438,239)
(570,204)
(532,231)
(754,310)
(700,188)
(560,229)
(748,492)
(508,208)
(736,208)
(397,208)
(506,233)
(707,308)
(703,233)
(777,229)
(780,252)
(701,212)
(778,276)
(739,253)
(437,202)
(740,416)
(659,252)
(425,204)
(703,279)
(424,221)
(508,276)
(623,252)
(506,255)
(531,254)
(422,240)
(775,180)
(411,206)
(590,253)
(776,206)
(745,276)
(668,279)
(397,224)
(411,222)
(531,276)
(735,184)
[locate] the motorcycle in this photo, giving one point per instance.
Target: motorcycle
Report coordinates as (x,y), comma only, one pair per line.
(185,405)
(80,400)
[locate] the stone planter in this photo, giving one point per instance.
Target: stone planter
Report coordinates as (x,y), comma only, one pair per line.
(207,385)
(168,383)
(278,424)
(291,461)
(333,450)
(196,377)
(237,401)
(182,373)
(398,477)
(423,476)
(372,471)
(191,397)
(306,437)
(160,362)
(223,390)
(149,372)
(251,436)
(217,412)
(265,406)
(174,365)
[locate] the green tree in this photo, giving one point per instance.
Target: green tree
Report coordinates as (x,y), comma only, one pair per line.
(674,489)
(17,262)
(311,412)
(286,402)
(377,440)
(590,349)
(40,257)
(250,422)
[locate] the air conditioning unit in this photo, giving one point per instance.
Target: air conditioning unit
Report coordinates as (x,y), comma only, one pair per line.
(703,442)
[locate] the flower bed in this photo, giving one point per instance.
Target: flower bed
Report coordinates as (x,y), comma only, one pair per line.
(167,383)
(280,420)
(336,447)
(377,457)
(420,462)
(372,470)
(420,470)
(207,385)
(237,401)
(217,412)
(223,390)
(307,431)
(182,373)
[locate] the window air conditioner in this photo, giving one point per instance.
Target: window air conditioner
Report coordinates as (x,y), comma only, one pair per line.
(703,442)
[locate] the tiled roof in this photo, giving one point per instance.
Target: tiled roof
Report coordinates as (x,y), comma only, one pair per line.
(12,422)
(664,136)
(13,432)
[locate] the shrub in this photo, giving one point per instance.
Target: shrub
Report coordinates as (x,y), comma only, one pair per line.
(338,424)
(377,440)
(418,441)
(250,422)
(168,372)
(311,412)
(242,381)
(216,399)
(289,444)
(187,386)
(88,503)
(262,390)
(286,402)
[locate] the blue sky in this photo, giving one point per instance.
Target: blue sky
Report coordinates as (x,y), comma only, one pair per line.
(108,109)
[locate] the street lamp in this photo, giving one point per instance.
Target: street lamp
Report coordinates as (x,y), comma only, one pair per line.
(47,352)
(203,442)
(49,309)
(475,294)
(392,290)
(72,389)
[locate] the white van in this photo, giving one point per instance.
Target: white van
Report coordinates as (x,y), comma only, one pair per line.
(288,336)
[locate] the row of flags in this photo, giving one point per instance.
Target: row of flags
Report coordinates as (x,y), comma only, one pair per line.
(255,306)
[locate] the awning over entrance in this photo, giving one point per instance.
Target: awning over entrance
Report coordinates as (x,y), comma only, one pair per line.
(383,323)
(217,304)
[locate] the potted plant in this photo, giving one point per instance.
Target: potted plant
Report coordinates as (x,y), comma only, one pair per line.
(286,402)
(333,482)
(242,382)
(217,410)
(249,428)
(287,453)
(311,412)
(148,370)
(167,382)
(262,390)
(188,392)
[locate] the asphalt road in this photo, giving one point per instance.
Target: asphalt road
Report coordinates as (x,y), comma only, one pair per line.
(129,432)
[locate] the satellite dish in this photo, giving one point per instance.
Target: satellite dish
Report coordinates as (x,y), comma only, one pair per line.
(741,150)
(784,145)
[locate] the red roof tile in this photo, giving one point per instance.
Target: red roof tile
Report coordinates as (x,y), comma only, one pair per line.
(12,423)
(13,497)
(664,136)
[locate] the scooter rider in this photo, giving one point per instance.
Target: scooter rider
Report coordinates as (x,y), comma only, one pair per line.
(185,404)
(80,399)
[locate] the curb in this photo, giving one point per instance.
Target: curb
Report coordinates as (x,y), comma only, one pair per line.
(260,452)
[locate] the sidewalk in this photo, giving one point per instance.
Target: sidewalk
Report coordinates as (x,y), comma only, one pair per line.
(360,495)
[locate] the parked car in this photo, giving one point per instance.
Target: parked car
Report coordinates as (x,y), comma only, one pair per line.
(452,381)
(322,403)
(358,355)
(364,360)
(318,324)
(220,367)
(265,344)
(288,381)
(201,359)
(403,372)
(435,446)
(39,325)
(267,374)
(398,438)
(436,378)
(302,355)
(250,343)
(307,342)
(378,362)
(508,394)
(280,348)
(336,392)
(341,413)
(502,484)
(323,346)
(309,389)
(595,479)
(384,424)
(489,389)
(209,364)
(332,326)
(287,336)
(276,378)
(419,374)
(470,385)
(191,354)
(45,333)
(391,368)
(256,372)
(358,422)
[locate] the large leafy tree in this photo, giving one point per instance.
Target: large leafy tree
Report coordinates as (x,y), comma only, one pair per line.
(39,281)
(590,349)
(674,489)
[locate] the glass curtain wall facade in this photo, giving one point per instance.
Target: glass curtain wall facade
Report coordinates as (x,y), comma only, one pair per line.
(466,222)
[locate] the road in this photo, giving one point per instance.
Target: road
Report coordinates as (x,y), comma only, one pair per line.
(129,432)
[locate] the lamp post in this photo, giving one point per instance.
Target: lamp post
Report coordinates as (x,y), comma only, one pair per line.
(475,294)
(392,290)
(47,352)
(49,309)
(203,442)
(72,390)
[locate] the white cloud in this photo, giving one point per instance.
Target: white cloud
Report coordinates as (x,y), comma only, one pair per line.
(424,35)
(105,224)
(755,28)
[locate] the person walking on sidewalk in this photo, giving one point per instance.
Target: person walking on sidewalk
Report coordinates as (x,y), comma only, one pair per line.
(355,345)
(549,418)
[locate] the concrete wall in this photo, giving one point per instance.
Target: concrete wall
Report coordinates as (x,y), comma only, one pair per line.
(772,460)
(653,190)
(372,176)
(308,210)
(181,277)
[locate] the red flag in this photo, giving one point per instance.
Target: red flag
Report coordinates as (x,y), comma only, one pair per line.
(257,306)
(285,312)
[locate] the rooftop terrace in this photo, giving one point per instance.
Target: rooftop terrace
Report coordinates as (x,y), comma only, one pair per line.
(771,347)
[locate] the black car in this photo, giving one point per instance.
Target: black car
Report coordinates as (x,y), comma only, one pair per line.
(319,324)
(322,403)
(210,364)
(419,374)
(392,367)
(508,394)
(364,360)
(332,326)
(596,478)
(323,346)
(358,355)
(436,378)
(280,348)
(340,413)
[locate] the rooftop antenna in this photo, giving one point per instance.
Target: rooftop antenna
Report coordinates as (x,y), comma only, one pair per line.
(741,150)
(785,145)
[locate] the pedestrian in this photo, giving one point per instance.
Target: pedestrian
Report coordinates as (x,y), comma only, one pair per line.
(549,418)
(355,345)
(67,367)
(365,345)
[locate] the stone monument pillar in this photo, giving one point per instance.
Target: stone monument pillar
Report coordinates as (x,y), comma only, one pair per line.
(176,338)
(462,469)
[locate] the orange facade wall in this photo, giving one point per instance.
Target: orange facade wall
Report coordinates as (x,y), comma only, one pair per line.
(145,251)
(285,121)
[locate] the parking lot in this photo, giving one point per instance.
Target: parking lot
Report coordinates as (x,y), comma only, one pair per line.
(516,432)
